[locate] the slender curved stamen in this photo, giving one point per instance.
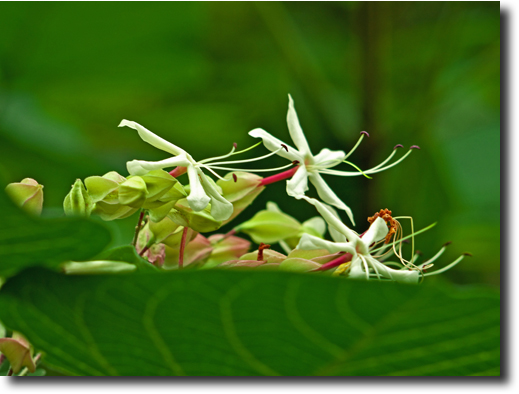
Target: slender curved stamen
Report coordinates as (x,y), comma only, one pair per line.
(213,172)
(376,271)
(357,168)
(247,160)
(250,169)
(362,133)
(231,153)
(436,256)
(407,237)
(447,267)
(373,170)
(219,157)
(365,266)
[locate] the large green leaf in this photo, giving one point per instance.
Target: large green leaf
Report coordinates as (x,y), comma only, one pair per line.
(28,241)
(252,323)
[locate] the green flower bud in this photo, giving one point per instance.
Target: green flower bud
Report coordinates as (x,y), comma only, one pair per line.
(240,189)
(270,256)
(201,221)
(158,183)
(101,188)
(133,192)
(298,265)
(111,211)
(228,249)
(27,194)
(270,227)
(78,202)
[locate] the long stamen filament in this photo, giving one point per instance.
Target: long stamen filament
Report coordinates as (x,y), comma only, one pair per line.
(354,166)
(445,268)
(250,169)
(218,157)
(213,172)
(356,145)
(436,256)
(231,153)
(373,170)
(407,237)
(248,160)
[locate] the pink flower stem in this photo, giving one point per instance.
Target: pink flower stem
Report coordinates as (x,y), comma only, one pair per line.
(182,248)
(278,177)
(177,171)
(335,263)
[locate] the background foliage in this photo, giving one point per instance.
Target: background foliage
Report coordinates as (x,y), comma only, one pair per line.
(203,74)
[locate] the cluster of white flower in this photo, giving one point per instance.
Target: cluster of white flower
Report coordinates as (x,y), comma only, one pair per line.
(204,193)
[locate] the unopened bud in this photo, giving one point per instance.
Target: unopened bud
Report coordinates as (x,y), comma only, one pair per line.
(27,194)
(78,202)
(133,192)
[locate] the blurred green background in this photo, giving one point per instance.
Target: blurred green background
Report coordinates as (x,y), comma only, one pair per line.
(202,75)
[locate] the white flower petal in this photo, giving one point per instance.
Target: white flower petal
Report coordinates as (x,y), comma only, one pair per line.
(377,231)
(152,138)
(141,167)
(326,156)
(298,184)
(197,198)
(357,270)
(221,209)
(296,132)
(273,144)
(331,219)
(327,195)
(310,242)
(402,276)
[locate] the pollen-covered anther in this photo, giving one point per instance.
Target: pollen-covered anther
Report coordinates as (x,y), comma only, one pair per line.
(285,147)
(467,254)
(414,147)
(261,248)
(385,214)
(235,177)
(235,145)
(295,162)
(365,133)
(398,146)
(447,243)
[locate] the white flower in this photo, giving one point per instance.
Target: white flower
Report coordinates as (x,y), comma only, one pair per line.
(203,190)
(363,264)
(311,167)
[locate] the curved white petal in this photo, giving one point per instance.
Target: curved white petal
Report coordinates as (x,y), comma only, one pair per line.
(197,198)
(377,231)
(221,209)
(331,219)
(310,242)
(141,167)
(402,276)
(298,184)
(327,158)
(273,144)
(357,270)
(152,138)
(327,195)
(296,132)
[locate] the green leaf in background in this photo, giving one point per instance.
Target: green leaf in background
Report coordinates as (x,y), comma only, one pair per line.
(252,323)
(28,241)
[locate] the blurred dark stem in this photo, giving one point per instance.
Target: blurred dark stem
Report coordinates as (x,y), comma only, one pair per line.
(138,228)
